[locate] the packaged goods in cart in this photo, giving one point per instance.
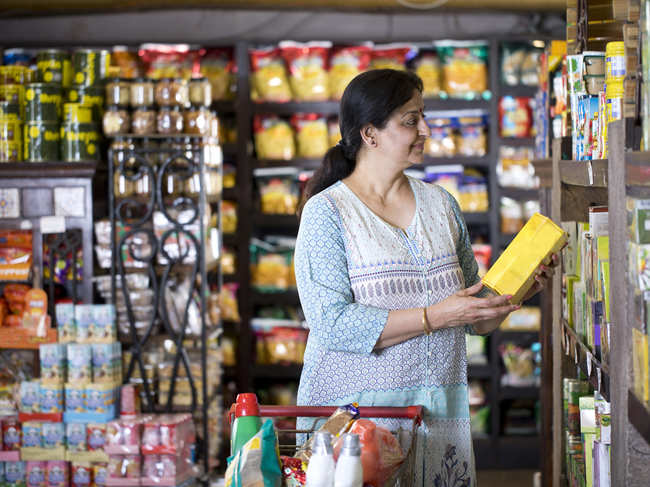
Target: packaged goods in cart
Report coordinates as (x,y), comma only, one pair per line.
(273,138)
(427,66)
(337,424)
(218,66)
(278,190)
(307,64)
(390,56)
(269,80)
(311,135)
(346,62)
(464,68)
(258,460)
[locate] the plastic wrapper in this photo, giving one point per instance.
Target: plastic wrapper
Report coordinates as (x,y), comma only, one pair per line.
(229,351)
(278,190)
(390,56)
(512,218)
(279,341)
(228,216)
(471,140)
(123,436)
(63,266)
(514,168)
(520,364)
(124,467)
(464,67)
(167,434)
(177,246)
(259,459)
(271,264)
(228,261)
(218,66)
(176,301)
(125,63)
(515,116)
(15,255)
(519,64)
(476,351)
(273,138)
(427,66)
(228,302)
(527,318)
(311,134)
(307,64)
(170,60)
(473,192)
(476,394)
(294,474)
(442,142)
(229,176)
(346,62)
(269,77)
(381,454)
(337,424)
(448,177)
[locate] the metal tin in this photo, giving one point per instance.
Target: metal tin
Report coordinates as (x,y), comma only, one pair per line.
(77,113)
(11,147)
(11,130)
(43,102)
(90,66)
(9,111)
(15,75)
(41,141)
(94,97)
(80,142)
(13,93)
(50,65)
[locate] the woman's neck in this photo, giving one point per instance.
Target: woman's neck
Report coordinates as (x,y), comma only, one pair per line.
(373,182)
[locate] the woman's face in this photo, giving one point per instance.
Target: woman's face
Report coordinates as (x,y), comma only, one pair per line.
(403,137)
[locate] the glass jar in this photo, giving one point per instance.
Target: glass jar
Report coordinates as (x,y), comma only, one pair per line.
(116,120)
(118,92)
(196,121)
(200,92)
(142,92)
(172,92)
(143,121)
(122,158)
(169,121)
(215,126)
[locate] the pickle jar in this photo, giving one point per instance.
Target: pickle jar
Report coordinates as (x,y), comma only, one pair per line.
(200,92)
(116,120)
(169,121)
(171,92)
(143,121)
(118,92)
(196,121)
(142,92)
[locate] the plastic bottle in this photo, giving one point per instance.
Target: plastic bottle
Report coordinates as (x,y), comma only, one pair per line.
(320,472)
(349,471)
(247,421)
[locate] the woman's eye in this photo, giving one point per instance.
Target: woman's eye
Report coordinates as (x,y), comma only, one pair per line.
(412,121)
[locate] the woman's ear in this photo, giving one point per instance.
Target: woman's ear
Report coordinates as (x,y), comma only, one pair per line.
(369,135)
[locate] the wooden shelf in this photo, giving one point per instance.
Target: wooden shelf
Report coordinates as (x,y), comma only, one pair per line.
(290,372)
(638,168)
(53,169)
(288,298)
(584,173)
(433,104)
(289,108)
(544,171)
(230,239)
(639,416)
(517,141)
(512,392)
(520,194)
(223,106)
(23,339)
(230,194)
(229,149)
(518,90)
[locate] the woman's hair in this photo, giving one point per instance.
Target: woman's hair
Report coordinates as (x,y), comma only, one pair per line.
(369,99)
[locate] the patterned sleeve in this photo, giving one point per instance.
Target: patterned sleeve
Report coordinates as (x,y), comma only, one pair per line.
(335,320)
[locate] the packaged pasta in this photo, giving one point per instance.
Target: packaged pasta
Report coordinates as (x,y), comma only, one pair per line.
(390,56)
(333,131)
(448,177)
(228,261)
(218,66)
(346,62)
(307,64)
(311,134)
(473,192)
(519,64)
(273,138)
(170,60)
(472,136)
(427,66)
(278,190)
(442,142)
(515,116)
(514,168)
(271,264)
(464,68)
(269,80)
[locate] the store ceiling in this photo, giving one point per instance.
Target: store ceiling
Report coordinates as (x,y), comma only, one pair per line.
(40,7)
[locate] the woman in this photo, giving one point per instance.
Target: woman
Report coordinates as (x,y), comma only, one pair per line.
(387,278)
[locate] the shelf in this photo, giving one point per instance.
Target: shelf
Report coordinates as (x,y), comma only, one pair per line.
(465,161)
(299,162)
(479,371)
(230,325)
(230,278)
(288,298)
(520,194)
(230,194)
(584,173)
(480,218)
(289,108)
(517,141)
(18,338)
(230,239)
(544,171)
(433,104)
(54,169)
(276,221)
(510,392)
(637,168)
(639,416)
(277,371)
(229,149)
(159,136)
(223,106)
(580,354)
(229,372)
(518,90)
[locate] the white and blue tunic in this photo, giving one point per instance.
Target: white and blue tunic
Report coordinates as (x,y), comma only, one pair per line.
(352,268)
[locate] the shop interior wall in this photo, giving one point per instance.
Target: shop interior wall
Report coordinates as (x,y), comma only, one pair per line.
(214,27)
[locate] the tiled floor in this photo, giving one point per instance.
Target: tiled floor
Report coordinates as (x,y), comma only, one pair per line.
(505,478)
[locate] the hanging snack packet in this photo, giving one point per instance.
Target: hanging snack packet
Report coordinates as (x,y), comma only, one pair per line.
(219,67)
(311,134)
(427,66)
(464,68)
(307,63)
(269,80)
(257,463)
(346,63)
(273,138)
(390,56)
(278,190)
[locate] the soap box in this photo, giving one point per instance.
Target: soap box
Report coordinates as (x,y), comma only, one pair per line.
(53,358)
(30,392)
(75,437)
(52,435)
(75,397)
(51,398)
(67,330)
(79,363)
(514,272)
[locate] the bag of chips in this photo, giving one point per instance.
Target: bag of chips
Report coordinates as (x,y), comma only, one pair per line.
(464,68)
(390,56)
(346,63)
(257,464)
(269,80)
(307,63)
(311,134)
(427,66)
(515,116)
(273,138)
(170,60)
(219,67)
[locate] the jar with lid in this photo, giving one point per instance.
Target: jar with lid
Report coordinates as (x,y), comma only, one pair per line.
(143,121)
(172,92)
(175,175)
(169,121)
(118,92)
(122,159)
(200,92)
(142,92)
(116,120)
(196,121)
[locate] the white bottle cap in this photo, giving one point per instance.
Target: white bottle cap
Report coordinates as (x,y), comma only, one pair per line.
(322,443)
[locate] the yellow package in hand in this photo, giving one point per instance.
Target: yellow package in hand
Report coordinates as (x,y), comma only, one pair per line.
(514,272)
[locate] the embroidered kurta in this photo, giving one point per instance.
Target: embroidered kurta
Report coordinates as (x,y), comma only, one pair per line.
(352,268)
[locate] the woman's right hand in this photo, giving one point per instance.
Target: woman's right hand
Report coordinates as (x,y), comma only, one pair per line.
(464,308)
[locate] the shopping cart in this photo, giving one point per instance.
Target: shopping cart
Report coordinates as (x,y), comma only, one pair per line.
(411,415)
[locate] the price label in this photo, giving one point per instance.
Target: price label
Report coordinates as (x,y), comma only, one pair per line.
(589,364)
(598,377)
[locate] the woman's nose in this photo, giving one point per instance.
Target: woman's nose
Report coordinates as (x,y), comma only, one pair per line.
(423,128)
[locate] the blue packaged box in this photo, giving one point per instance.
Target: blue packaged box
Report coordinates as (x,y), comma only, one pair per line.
(79,363)
(65,322)
(84,319)
(53,358)
(52,435)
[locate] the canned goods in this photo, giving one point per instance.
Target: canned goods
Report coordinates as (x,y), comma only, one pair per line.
(94,97)
(11,130)
(43,102)
(90,66)
(41,141)
(615,61)
(9,111)
(11,147)
(77,113)
(80,142)
(14,94)
(15,75)
(50,65)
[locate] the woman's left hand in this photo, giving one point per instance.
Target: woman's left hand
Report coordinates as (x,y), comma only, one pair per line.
(543,275)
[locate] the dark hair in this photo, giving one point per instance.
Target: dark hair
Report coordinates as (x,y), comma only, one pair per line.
(370,98)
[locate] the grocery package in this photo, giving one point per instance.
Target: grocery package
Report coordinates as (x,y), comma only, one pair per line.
(527,318)
(273,138)
(390,56)
(482,254)
(468,187)
(228,302)
(457,133)
(169,60)
(337,424)
(125,63)
(278,190)
(228,216)
(464,68)
(476,351)
(514,168)
(308,66)
(15,255)
(522,365)
(228,261)
(64,266)
(427,66)
(515,116)
(269,79)
(334,131)
(279,341)
(513,273)
(258,459)
(311,134)
(346,62)
(519,64)
(218,66)
(272,264)
(514,213)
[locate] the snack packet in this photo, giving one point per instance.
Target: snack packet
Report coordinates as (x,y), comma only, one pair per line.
(273,138)
(219,67)
(269,80)
(337,424)
(346,63)
(311,134)
(257,464)
(390,56)
(307,63)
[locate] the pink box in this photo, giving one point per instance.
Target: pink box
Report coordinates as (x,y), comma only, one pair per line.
(58,474)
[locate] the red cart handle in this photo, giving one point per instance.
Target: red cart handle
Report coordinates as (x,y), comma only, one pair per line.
(409,412)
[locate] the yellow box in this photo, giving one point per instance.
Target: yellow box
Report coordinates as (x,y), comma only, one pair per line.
(514,272)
